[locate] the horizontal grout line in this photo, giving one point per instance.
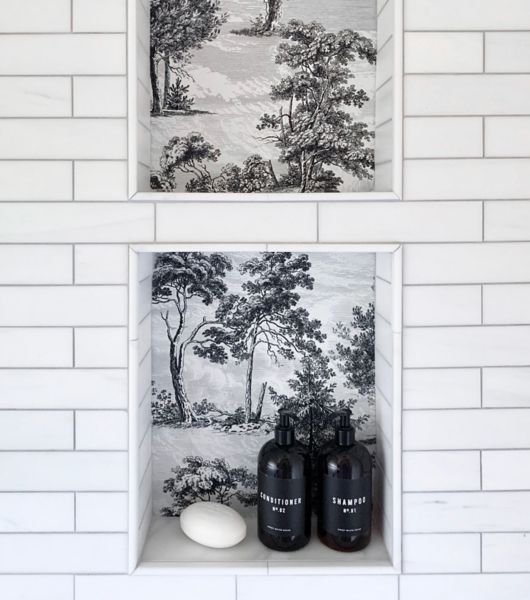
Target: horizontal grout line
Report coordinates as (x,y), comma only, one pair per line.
(470,408)
(481,158)
(467,367)
(476,326)
(462,115)
(471,284)
(72,410)
(64,451)
(467,74)
(70,33)
(483,30)
(63,492)
(474,450)
(62,285)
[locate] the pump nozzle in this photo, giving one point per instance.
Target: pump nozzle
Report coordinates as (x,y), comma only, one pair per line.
(284,432)
(344,431)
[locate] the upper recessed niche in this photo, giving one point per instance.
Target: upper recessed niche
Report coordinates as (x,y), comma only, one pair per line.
(277,97)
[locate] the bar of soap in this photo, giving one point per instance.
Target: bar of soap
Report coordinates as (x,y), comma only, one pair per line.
(213,525)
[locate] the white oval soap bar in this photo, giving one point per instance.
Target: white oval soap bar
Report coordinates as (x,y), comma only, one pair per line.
(213,525)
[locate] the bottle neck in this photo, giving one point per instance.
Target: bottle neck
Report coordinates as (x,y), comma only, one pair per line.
(345,437)
(284,437)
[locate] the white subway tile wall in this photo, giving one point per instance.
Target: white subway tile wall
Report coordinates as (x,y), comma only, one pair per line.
(65,227)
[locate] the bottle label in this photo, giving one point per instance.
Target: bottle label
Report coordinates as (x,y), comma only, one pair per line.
(346,505)
(281,505)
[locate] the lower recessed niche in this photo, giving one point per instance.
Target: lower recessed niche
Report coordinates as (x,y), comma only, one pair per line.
(220,338)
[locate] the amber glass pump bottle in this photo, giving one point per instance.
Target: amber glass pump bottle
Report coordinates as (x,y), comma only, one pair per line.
(284,502)
(345,490)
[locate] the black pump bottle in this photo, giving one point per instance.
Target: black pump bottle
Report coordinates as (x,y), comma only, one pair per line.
(284,490)
(345,490)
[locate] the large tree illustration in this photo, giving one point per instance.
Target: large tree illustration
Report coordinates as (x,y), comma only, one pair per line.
(313,399)
(355,353)
(313,129)
(177,279)
(267,315)
(178,27)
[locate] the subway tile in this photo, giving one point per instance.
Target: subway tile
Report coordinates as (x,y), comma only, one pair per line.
(100,180)
(443,52)
(442,305)
(466,263)
(485,94)
(441,471)
(63,138)
(148,587)
(384,100)
(443,137)
(441,388)
(35,97)
(384,143)
(441,553)
(237,222)
(399,221)
(36,430)
(49,180)
(101,347)
(99,15)
(466,429)
(63,305)
(507,136)
(35,265)
(24,513)
(63,388)
(262,588)
(101,512)
(385,63)
(465,587)
(506,469)
(506,553)
(101,430)
(76,222)
(63,553)
(63,471)
(100,96)
(385,24)
(506,221)
(471,179)
(101,264)
(35,16)
(507,304)
(75,54)
(506,387)
(27,347)
(469,15)
(466,512)
(467,346)
(508,51)
(36,587)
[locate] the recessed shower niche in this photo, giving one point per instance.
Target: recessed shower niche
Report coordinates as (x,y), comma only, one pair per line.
(269,99)
(223,336)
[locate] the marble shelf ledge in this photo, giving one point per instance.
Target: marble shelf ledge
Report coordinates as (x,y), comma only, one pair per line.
(168,551)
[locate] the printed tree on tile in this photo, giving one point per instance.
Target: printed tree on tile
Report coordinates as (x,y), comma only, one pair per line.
(179,27)
(203,480)
(266,316)
(178,278)
(355,354)
(313,128)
